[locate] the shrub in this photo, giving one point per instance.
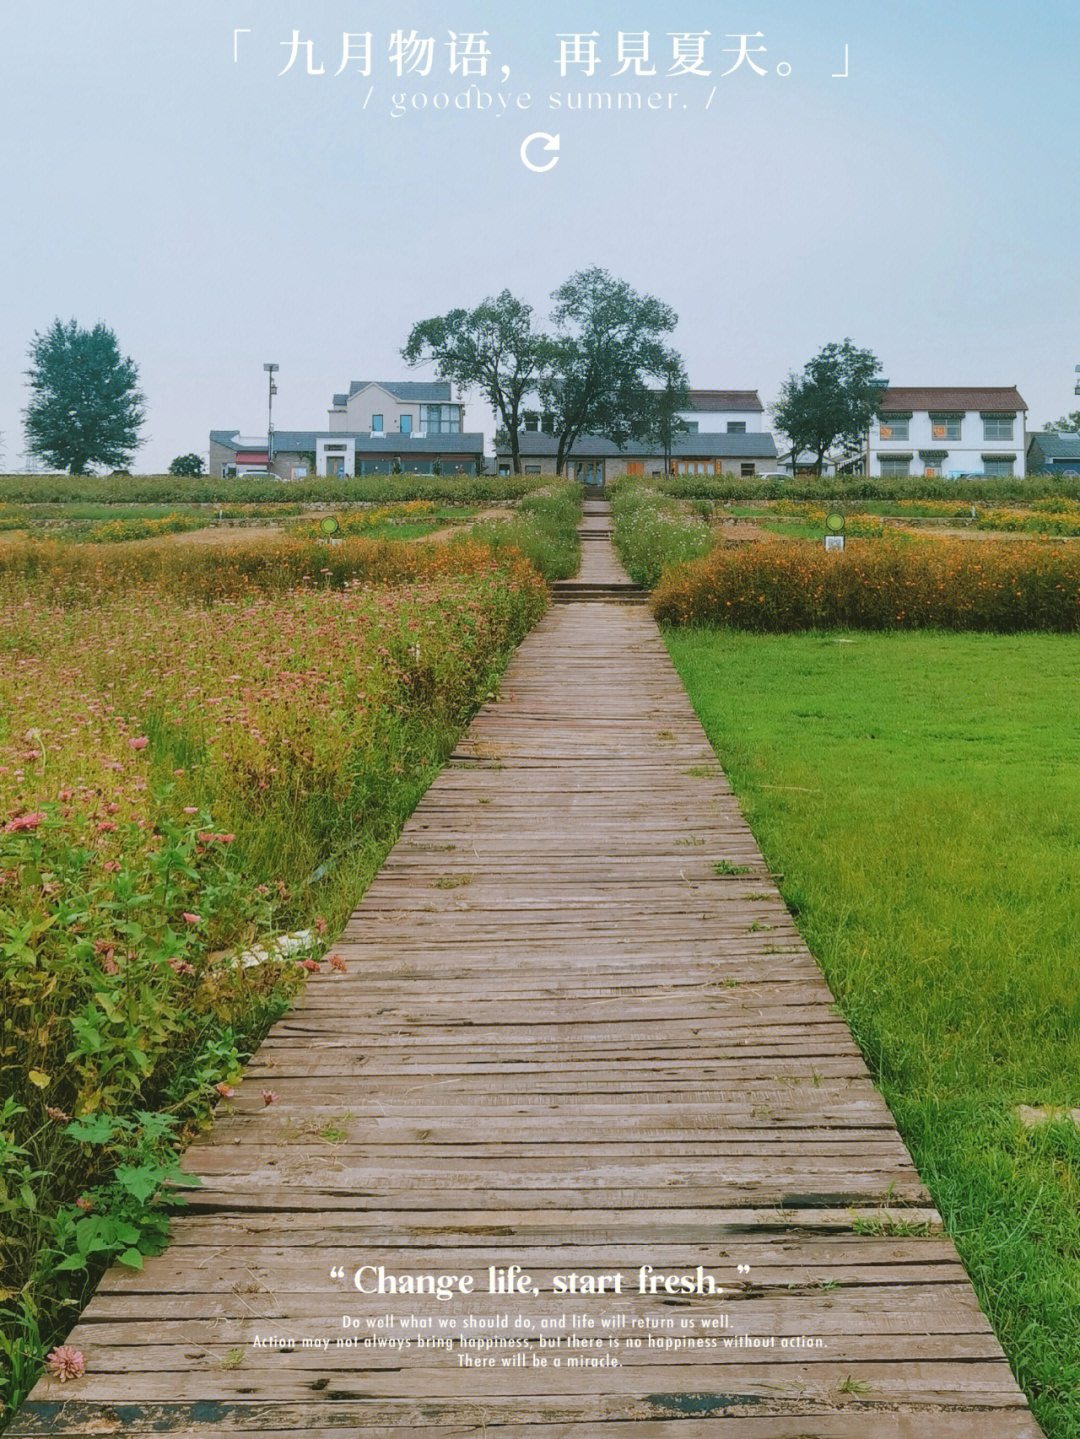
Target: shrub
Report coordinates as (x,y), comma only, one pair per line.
(956,586)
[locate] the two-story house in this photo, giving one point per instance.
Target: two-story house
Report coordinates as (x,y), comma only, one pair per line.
(948,432)
(378,427)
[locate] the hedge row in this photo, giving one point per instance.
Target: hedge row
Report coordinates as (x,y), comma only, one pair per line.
(780,588)
(863,487)
(203,489)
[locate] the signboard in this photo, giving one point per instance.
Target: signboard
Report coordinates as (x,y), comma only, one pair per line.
(834,542)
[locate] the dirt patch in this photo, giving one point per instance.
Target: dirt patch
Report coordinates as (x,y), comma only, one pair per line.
(745,532)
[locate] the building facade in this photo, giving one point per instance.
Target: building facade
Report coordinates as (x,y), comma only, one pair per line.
(376,428)
(724,434)
(948,432)
(595,460)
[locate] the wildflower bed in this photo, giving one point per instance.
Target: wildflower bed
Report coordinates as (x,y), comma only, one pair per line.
(196,754)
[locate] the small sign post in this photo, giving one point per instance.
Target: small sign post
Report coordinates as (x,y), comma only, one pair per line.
(834,530)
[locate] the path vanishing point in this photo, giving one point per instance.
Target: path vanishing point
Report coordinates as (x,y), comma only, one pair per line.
(564,1041)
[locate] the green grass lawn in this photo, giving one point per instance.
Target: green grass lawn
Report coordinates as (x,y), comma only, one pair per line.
(921,795)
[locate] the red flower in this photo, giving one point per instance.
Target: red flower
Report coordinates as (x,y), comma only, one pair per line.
(336,962)
(24,821)
(269,1096)
(190,918)
(139,743)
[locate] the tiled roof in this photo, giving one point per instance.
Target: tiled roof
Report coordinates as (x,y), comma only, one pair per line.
(946,399)
(1057,444)
(748,400)
(408,391)
(536,445)
(303,441)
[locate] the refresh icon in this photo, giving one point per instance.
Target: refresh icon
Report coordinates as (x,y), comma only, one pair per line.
(552,143)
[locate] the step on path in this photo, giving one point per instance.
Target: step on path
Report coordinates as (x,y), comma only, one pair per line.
(564,1042)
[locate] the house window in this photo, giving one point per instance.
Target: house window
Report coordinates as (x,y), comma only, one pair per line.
(736,427)
(406,424)
(896,427)
(692,426)
(441,419)
(376,425)
(532,469)
(946,427)
(228,472)
(747,471)
(998,466)
(998,427)
(895,467)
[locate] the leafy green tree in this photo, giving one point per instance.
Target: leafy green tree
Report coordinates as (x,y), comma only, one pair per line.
(187,465)
(832,402)
(1069,423)
(604,359)
(85,405)
(492,348)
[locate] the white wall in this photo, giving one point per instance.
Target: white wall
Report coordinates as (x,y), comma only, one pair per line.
(715,422)
(964,456)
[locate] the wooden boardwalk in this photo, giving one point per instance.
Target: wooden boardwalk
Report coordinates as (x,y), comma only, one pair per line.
(564,1041)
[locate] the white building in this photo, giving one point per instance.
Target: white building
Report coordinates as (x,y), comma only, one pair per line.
(949,432)
(724,412)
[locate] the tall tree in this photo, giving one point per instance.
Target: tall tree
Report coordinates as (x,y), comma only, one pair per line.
(832,402)
(493,348)
(603,360)
(85,407)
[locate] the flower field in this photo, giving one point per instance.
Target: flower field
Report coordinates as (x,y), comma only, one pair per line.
(197,753)
(784,587)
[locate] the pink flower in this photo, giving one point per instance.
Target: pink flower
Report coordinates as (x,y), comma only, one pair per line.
(336,962)
(311,965)
(178,772)
(139,743)
(191,809)
(190,918)
(225,1090)
(269,1096)
(181,966)
(320,924)
(24,821)
(85,1204)
(66,1363)
(111,866)
(57,1113)
(106,827)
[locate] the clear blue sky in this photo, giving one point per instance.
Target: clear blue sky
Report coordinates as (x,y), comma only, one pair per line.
(217,215)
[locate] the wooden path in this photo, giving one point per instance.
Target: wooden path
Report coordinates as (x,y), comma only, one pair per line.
(564,1041)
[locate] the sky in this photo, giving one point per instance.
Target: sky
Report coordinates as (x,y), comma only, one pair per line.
(161,175)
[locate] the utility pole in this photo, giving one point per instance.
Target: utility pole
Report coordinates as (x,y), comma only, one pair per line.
(271,371)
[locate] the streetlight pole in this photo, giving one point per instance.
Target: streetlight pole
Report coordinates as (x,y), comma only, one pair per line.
(271,371)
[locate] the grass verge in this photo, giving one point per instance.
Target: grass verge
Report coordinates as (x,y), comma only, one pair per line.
(919,792)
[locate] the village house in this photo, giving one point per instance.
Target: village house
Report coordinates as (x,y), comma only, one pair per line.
(376,428)
(723,435)
(948,432)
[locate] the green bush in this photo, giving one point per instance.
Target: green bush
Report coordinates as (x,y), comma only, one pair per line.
(862,487)
(204,489)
